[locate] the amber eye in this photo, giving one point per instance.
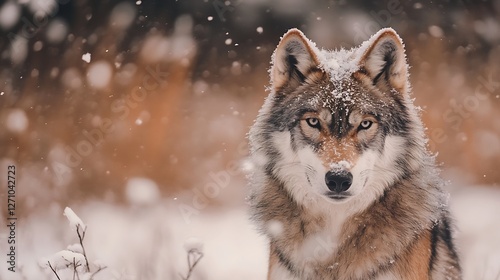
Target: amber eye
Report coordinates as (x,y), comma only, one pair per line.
(366,124)
(313,122)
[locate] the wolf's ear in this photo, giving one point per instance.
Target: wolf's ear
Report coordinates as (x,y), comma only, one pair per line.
(293,60)
(384,61)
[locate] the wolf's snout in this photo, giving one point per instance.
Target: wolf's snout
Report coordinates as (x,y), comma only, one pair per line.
(338,181)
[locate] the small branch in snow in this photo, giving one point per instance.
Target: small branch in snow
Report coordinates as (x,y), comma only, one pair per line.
(53,270)
(75,272)
(81,237)
(193,257)
(73,219)
(99,270)
(75,256)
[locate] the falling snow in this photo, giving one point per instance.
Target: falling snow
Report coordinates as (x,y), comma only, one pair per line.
(56,31)
(17,121)
(141,191)
(86,57)
(99,74)
(436,31)
(10,13)
(123,15)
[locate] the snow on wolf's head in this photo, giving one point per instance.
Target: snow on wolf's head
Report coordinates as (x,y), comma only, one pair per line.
(337,125)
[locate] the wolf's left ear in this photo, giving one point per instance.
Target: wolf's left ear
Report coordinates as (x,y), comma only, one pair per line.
(293,60)
(384,61)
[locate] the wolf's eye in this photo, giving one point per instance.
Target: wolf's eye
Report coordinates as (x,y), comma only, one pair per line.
(313,122)
(365,124)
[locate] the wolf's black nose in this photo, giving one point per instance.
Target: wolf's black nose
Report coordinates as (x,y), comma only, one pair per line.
(338,181)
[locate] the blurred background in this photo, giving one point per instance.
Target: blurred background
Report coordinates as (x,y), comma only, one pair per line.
(125,108)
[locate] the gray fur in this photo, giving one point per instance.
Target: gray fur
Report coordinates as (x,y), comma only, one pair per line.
(384,237)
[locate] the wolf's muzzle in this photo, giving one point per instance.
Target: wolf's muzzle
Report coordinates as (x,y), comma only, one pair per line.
(338,181)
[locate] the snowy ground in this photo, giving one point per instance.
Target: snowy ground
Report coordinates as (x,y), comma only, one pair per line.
(147,242)
(476,211)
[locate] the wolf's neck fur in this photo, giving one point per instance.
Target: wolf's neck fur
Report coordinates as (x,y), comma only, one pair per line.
(325,234)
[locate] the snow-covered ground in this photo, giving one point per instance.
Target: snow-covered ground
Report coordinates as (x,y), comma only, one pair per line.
(147,241)
(477,214)
(144,242)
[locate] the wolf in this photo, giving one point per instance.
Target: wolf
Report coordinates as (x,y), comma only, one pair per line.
(343,185)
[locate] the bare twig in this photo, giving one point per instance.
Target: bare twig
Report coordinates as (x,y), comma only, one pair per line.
(99,270)
(193,257)
(74,268)
(53,270)
(75,271)
(81,237)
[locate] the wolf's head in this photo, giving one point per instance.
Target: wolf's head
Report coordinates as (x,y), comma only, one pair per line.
(338,125)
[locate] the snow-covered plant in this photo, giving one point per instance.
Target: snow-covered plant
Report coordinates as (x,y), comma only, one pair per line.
(77,223)
(194,248)
(74,256)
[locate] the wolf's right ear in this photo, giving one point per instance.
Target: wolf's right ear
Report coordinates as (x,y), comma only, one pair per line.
(293,60)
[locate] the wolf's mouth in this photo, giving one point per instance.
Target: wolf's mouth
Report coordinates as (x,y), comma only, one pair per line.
(338,196)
